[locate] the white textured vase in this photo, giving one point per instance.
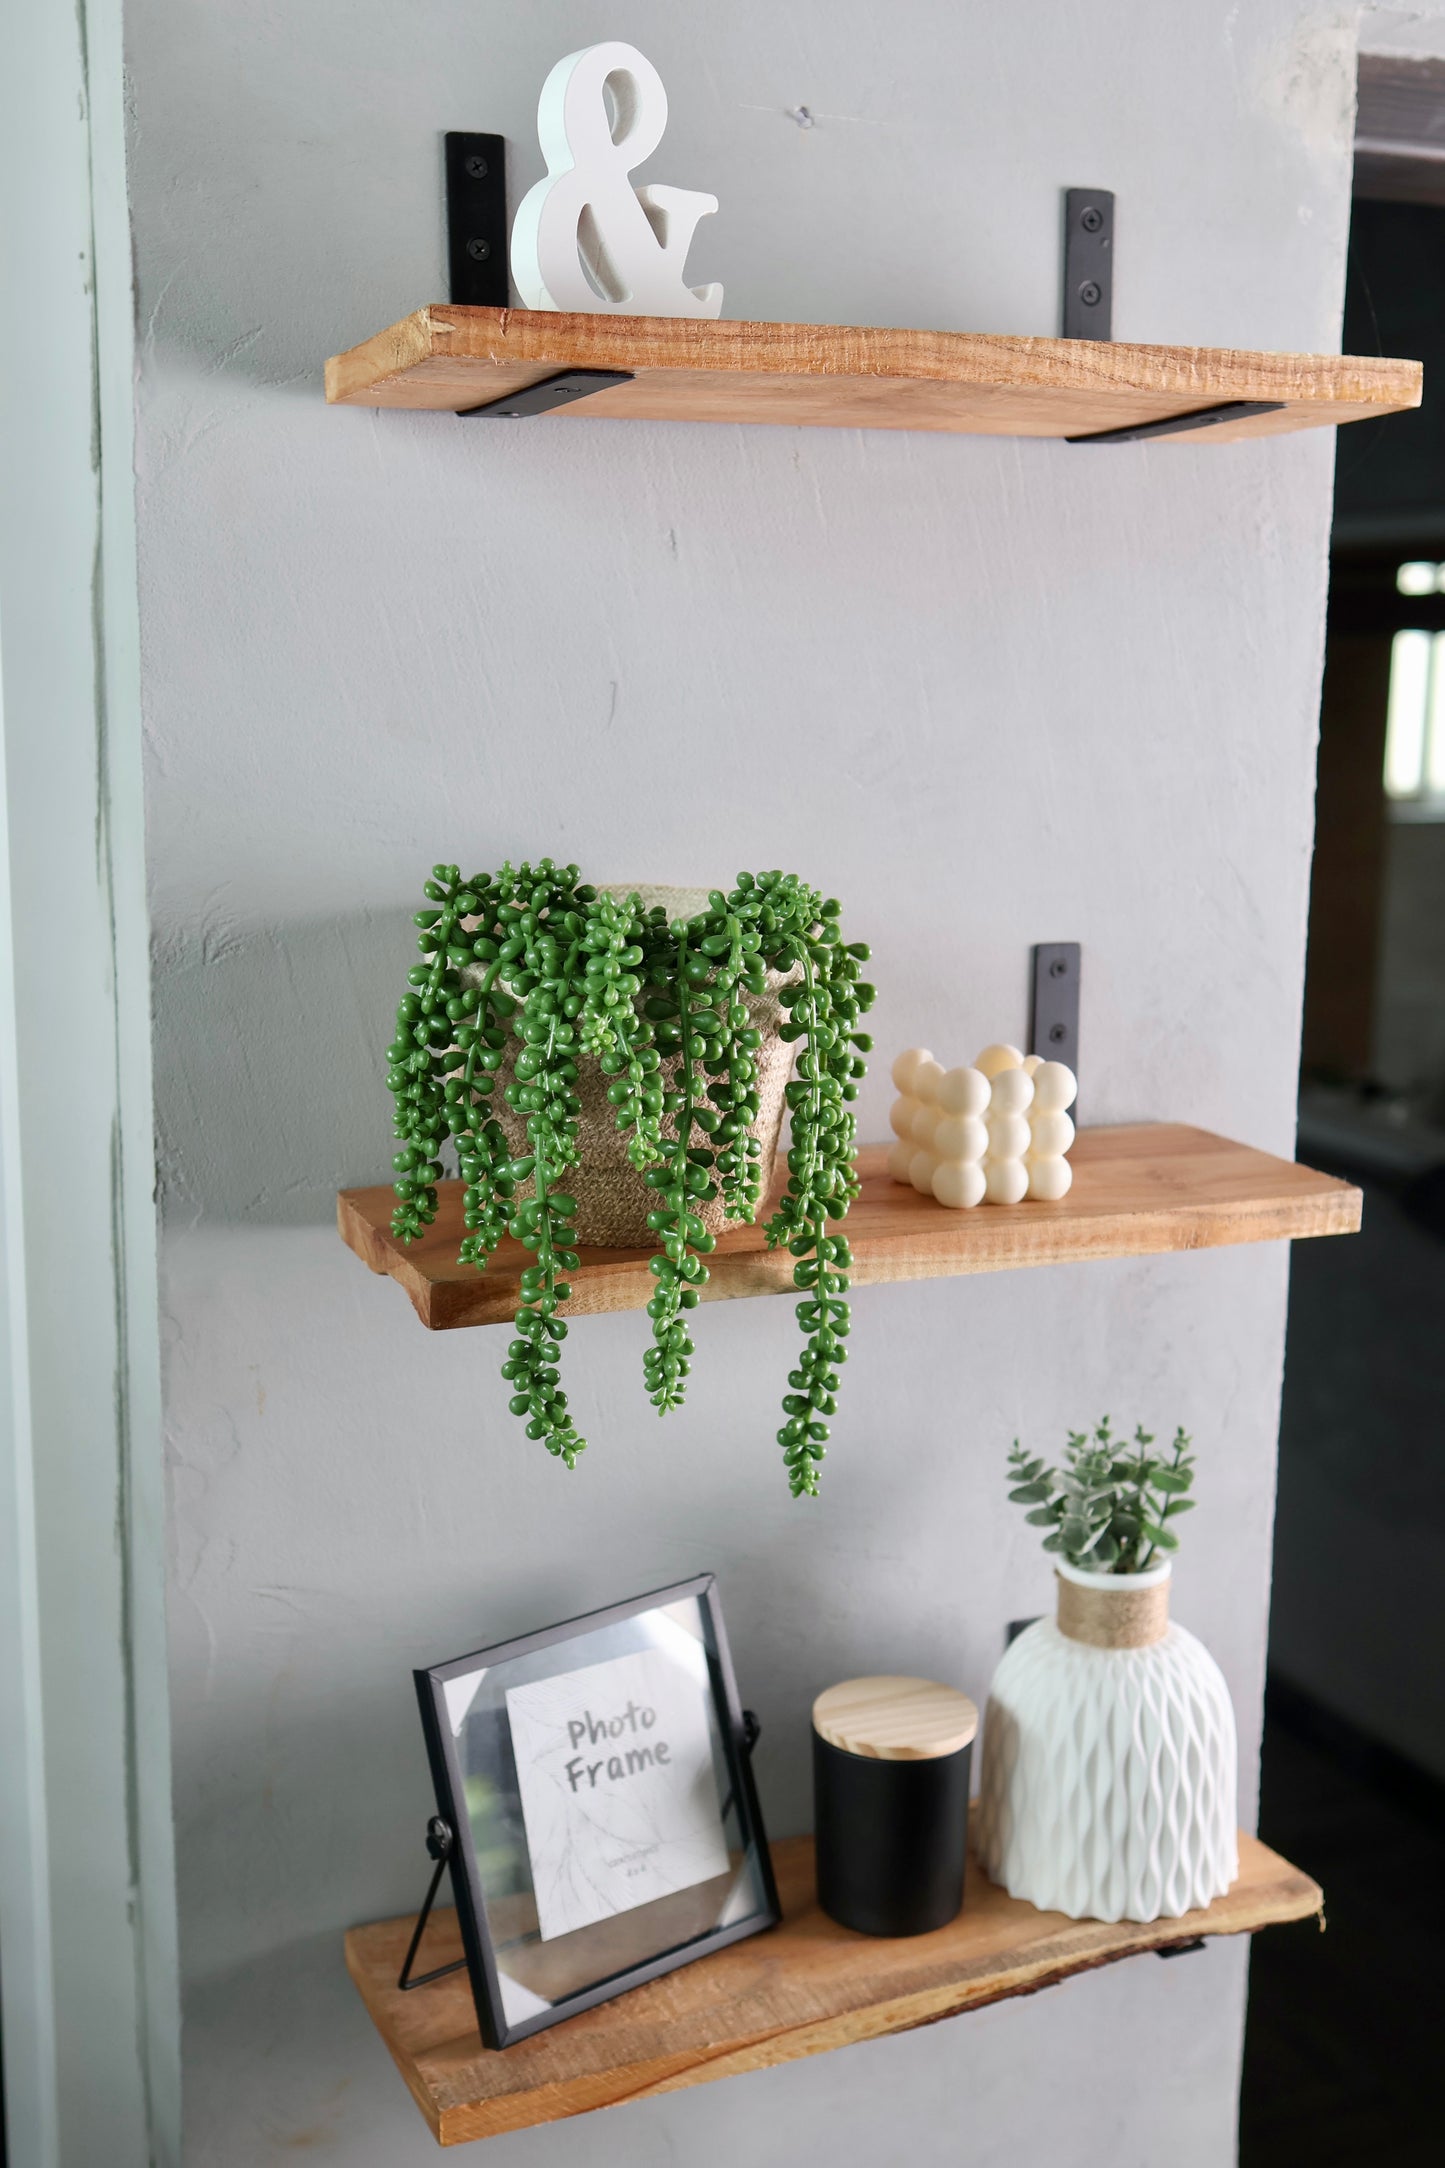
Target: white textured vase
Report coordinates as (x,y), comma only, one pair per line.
(1109,1758)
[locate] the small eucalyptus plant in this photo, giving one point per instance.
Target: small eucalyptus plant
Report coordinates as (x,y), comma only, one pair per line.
(1109,1509)
(533,963)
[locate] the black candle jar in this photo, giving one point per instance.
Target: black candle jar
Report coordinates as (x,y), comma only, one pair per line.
(890,1800)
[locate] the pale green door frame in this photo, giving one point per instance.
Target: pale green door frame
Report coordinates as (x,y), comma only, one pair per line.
(88,1995)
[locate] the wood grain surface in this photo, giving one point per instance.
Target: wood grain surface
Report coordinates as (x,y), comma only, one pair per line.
(894,1719)
(844,376)
(800,1989)
(1138,1191)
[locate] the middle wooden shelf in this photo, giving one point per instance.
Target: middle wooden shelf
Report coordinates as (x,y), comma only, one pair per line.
(1138,1190)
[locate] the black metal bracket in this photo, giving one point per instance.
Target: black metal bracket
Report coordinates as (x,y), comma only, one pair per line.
(1181,1949)
(476,180)
(1088,263)
(547,394)
(439,1842)
(1172,425)
(1054,1010)
(1088,313)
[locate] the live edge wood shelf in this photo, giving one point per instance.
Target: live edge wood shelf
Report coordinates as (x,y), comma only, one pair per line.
(843,376)
(800,1989)
(1137,1191)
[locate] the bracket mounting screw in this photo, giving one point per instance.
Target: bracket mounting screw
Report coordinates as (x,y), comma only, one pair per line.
(1091,219)
(479,250)
(1091,294)
(476,169)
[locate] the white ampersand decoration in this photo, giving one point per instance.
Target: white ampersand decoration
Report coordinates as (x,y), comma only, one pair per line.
(585,238)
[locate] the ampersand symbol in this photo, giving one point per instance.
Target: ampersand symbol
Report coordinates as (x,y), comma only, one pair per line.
(585,238)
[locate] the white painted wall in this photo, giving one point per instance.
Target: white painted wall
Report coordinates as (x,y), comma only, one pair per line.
(988,692)
(1416,32)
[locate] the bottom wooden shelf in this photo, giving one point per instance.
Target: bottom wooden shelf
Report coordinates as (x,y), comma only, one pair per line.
(800,1989)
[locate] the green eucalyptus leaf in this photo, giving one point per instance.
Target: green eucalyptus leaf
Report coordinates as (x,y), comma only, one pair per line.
(1110,1508)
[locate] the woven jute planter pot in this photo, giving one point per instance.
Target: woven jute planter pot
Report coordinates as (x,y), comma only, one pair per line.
(613,1200)
(1109,1758)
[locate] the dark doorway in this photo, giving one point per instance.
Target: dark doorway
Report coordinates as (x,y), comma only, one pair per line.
(1341,2054)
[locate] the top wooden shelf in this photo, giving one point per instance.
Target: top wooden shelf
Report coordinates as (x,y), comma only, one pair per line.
(844,376)
(1137,1191)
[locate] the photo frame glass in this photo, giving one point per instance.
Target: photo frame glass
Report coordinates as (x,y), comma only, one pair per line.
(596,1778)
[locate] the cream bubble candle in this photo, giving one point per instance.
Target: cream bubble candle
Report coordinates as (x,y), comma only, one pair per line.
(993,1133)
(1051,1131)
(1011,1091)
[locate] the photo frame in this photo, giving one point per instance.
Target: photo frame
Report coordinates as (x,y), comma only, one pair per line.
(596,1781)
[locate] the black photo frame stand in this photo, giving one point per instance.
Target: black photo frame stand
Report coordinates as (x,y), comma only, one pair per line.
(529,1964)
(439,1842)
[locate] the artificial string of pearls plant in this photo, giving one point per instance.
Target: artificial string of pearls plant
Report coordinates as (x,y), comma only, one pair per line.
(567,972)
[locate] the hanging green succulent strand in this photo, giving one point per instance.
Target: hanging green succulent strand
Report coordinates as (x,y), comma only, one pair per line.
(529,961)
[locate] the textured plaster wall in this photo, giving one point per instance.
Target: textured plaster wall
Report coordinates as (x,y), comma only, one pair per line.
(988,692)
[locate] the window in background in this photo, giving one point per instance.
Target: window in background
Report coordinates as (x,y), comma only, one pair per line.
(1415,721)
(1420,578)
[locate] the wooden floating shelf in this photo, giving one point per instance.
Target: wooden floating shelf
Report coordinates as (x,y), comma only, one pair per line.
(843,376)
(800,1989)
(1137,1191)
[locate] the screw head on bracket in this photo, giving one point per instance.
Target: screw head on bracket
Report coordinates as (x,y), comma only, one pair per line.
(1056,1032)
(1057,968)
(1091,293)
(479,250)
(475,169)
(1091,218)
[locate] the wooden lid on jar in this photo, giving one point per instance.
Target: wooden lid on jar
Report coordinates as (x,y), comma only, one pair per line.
(891,1719)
